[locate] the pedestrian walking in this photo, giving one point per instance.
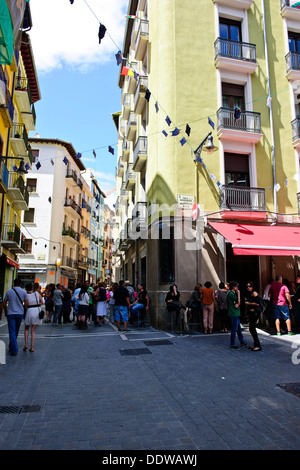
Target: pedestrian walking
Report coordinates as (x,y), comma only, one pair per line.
(75,301)
(252,302)
(233,303)
(208,298)
(48,296)
(83,307)
(281,302)
(13,306)
(33,302)
(221,297)
(101,303)
(66,305)
(111,302)
(122,304)
(57,302)
(296,302)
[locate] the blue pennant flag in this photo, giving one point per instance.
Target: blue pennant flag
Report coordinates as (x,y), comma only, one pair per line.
(176,131)
(156,107)
(168,120)
(237,113)
(183,141)
(27,166)
(211,123)
(65,160)
(188,130)
(38,165)
(111,150)
(147,95)
(79,155)
(165,133)
(15,167)
(119,58)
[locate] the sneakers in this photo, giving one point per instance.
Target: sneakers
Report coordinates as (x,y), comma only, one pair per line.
(278,333)
(290,333)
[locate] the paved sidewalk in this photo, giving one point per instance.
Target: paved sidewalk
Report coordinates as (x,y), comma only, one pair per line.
(149,390)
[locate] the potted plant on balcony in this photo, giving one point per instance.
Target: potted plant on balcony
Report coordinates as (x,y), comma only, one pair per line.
(10,235)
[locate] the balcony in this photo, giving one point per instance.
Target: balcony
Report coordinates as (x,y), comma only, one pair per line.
(126,149)
(139,216)
(287,11)
(127,105)
(242,4)
(3,178)
(86,232)
(246,129)
(12,239)
(139,96)
(68,262)
(70,232)
(292,60)
(242,202)
(298,202)
(296,132)
(71,175)
(132,126)
(130,180)
(235,56)
(131,86)
(142,39)
(71,207)
(142,4)
(29,119)
(83,261)
(86,206)
(19,139)
(23,95)
(140,153)
(7,109)
(124,194)
(120,169)
(18,191)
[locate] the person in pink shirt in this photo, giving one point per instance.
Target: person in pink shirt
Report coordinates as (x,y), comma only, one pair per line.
(281,302)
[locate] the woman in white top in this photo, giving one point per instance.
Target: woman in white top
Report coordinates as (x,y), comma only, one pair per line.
(33,301)
(83,307)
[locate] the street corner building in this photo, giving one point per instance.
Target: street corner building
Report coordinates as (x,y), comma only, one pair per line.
(19,91)
(209,126)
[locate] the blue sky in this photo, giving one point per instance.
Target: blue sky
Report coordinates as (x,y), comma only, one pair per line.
(78,77)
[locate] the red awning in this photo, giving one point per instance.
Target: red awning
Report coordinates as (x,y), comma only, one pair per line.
(260,239)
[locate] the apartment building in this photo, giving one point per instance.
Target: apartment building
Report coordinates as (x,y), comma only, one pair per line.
(19,91)
(209,141)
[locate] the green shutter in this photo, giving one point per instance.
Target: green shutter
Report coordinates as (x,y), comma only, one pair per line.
(6,35)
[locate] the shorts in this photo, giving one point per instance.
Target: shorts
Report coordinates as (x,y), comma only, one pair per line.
(121,313)
(281,310)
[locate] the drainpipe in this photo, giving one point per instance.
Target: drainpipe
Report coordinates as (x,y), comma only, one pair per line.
(270,107)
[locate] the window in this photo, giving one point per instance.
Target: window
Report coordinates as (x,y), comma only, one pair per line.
(35,155)
(230,31)
(28,245)
(236,169)
(166,256)
(29,216)
(31,185)
(294,42)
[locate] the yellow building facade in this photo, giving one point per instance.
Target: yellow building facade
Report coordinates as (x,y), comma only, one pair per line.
(229,68)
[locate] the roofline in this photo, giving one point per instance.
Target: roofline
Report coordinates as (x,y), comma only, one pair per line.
(67,145)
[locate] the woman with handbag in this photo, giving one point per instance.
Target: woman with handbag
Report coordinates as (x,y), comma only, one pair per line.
(252,302)
(33,302)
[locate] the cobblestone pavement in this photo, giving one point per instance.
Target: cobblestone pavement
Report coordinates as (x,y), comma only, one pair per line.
(99,389)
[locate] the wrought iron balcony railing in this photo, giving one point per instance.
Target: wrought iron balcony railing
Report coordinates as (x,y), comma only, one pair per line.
(239,198)
(235,50)
(292,60)
(248,121)
(296,129)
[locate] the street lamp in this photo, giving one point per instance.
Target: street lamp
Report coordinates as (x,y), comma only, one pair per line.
(21,170)
(209,148)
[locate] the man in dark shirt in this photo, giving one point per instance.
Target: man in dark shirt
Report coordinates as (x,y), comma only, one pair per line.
(122,304)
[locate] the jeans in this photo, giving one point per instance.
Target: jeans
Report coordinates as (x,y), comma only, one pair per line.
(252,329)
(57,312)
(236,330)
(14,323)
(138,309)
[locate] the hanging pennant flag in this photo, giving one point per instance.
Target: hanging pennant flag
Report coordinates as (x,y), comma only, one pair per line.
(15,167)
(188,130)
(211,123)
(218,184)
(147,95)
(101,33)
(197,158)
(71,1)
(132,17)
(176,131)
(277,187)
(79,155)
(111,150)
(183,141)
(212,176)
(27,166)
(65,160)
(269,101)
(38,165)
(119,58)
(127,71)
(94,153)
(237,113)
(286,182)
(165,133)
(52,162)
(168,120)
(156,107)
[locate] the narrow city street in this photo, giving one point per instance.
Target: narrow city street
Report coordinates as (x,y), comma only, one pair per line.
(100,389)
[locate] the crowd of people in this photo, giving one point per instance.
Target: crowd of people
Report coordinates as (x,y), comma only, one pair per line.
(278,307)
(89,303)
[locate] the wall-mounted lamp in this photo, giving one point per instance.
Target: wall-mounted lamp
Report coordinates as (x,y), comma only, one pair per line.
(209,148)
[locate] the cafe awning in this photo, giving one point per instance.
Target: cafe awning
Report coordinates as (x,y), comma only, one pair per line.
(263,240)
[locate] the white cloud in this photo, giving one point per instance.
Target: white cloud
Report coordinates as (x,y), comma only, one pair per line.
(67,35)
